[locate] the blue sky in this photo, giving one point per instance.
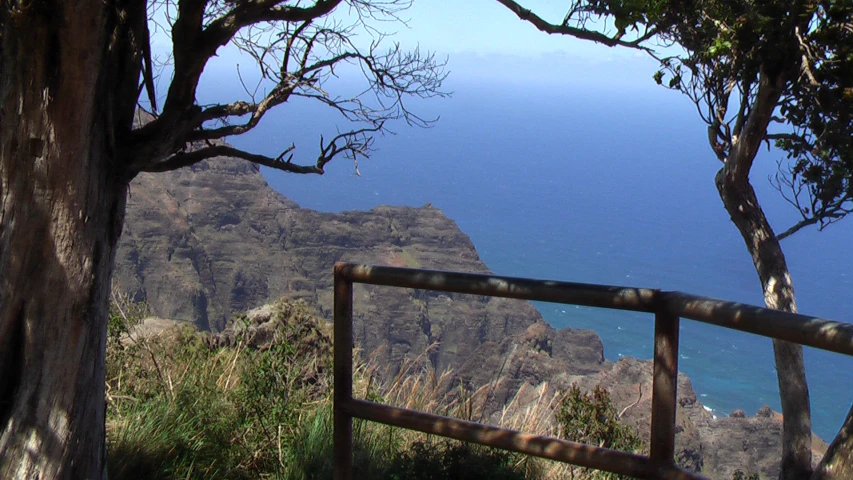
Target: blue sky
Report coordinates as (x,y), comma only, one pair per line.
(485,42)
(486,27)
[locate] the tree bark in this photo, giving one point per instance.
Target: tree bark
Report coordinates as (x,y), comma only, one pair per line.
(837,463)
(742,205)
(62,200)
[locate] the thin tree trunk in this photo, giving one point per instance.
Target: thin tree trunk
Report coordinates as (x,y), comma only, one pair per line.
(837,463)
(61,213)
(742,205)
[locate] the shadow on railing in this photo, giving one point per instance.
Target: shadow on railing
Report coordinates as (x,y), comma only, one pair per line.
(668,308)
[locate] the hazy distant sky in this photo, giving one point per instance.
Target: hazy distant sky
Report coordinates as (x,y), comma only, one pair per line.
(486,27)
(485,42)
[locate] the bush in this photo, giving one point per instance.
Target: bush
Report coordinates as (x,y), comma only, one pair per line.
(739,475)
(449,460)
(591,418)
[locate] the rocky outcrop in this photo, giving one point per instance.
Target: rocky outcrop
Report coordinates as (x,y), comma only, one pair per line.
(208,241)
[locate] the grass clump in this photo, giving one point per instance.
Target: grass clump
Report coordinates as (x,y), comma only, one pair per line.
(254,402)
(183,404)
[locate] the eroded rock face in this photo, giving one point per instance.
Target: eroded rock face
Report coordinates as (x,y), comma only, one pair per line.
(208,241)
(205,242)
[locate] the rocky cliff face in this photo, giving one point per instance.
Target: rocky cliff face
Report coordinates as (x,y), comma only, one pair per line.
(208,241)
(204,242)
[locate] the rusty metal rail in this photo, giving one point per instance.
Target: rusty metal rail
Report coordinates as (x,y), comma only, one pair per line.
(668,308)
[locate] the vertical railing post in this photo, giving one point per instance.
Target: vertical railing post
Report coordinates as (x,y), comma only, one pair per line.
(664,388)
(343,376)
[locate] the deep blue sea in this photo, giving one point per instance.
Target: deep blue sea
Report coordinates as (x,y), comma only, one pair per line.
(595,185)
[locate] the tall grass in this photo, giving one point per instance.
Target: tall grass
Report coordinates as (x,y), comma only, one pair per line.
(183,406)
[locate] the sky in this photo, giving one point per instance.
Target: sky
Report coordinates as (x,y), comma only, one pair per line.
(482,39)
(486,27)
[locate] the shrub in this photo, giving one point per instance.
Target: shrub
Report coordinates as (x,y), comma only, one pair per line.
(449,460)
(591,418)
(739,475)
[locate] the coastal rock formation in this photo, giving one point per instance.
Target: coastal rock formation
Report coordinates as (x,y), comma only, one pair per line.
(211,240)
(207,241)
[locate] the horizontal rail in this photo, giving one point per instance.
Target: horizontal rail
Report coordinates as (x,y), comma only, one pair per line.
(602,296)
(668,308)
(537,445)
(793,327)
(810,331)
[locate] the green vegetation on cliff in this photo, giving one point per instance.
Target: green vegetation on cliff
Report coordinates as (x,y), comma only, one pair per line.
(255,402)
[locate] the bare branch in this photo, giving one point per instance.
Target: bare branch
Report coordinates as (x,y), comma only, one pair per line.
(298,51)
(581,33)
(796,228)
(194,44)
(349,144)
(186,159)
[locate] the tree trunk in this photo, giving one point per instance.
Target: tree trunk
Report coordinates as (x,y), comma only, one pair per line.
(742,205)
(838,461)
(62,199)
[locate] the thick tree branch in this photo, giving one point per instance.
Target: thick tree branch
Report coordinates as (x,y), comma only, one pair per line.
(349,144)
(193,46)
(276,97)
(221,30)
(743,151)
(186,159)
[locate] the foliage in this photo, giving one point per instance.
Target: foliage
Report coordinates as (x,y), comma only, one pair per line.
(731,48)
(180,407)
(448,460)
(257,404)
(591,418)
(739,475)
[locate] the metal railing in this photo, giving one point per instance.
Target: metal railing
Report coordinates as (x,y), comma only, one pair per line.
(668,308)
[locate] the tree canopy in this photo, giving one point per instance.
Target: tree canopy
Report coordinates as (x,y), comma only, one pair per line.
(811,123)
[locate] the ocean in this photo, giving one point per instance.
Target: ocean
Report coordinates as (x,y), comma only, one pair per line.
(593,185)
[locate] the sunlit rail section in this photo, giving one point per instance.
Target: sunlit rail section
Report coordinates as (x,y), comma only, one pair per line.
(668,308)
